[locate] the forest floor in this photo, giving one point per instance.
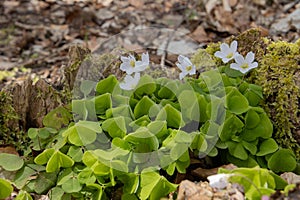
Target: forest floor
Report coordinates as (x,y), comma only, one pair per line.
(35,36)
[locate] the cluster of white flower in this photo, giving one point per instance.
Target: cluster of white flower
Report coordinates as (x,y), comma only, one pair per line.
(130,65)
(241,64)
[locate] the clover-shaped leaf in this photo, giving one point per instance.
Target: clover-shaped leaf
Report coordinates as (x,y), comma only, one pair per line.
(237,150)
(83,133)
(267,146)
(123,110)
(235,101)
(171,115)
(144,139)
(75,153)
(168,90)
(102,103)
(158,128)
(146,86)
(143,107)
(86,86)
(264,129)
(231,126)
(282,160)
(154,186)
(54,159)
(11,162)
(116,127)
(106,85)
(252,119)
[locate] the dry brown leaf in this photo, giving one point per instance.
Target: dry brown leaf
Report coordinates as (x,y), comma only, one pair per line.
(200,35)
(136,3)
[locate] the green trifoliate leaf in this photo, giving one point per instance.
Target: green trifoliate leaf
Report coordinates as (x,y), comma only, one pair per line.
(235,101)
(171,115)
(11,162)
(282,160)
(267,146)
(83,132)
(106,85)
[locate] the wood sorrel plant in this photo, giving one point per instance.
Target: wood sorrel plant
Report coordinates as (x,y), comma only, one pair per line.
(130,132)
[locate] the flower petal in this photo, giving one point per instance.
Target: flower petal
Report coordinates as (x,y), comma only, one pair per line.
(225,59)
(220,54)
(182,68)
(182,75)
(250,57)
(184,61)
(224,47)
(239,59)
(145,58)
(193,70)
(140,66)
(253,65)
(125,59)
(233,45)
(235,66)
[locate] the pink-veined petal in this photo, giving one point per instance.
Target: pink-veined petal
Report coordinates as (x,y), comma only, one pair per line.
(125,59)
(235,66)
(253,65)
(244,71)
(233,46)
(140,66)
(239,59)
(182,68)
(224,47)
(225,59)
(250,57)
(220,54)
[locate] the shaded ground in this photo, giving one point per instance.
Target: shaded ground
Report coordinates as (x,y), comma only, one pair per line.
(35,36)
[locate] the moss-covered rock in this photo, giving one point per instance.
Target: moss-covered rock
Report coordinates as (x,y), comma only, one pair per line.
(279,75)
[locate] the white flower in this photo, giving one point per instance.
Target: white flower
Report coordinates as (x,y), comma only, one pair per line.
(219,181)
(186,66)
(131,65)
(244,64)
(130,82)
(227,53)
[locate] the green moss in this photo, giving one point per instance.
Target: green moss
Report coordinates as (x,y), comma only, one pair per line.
(10,136)
(278,74)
